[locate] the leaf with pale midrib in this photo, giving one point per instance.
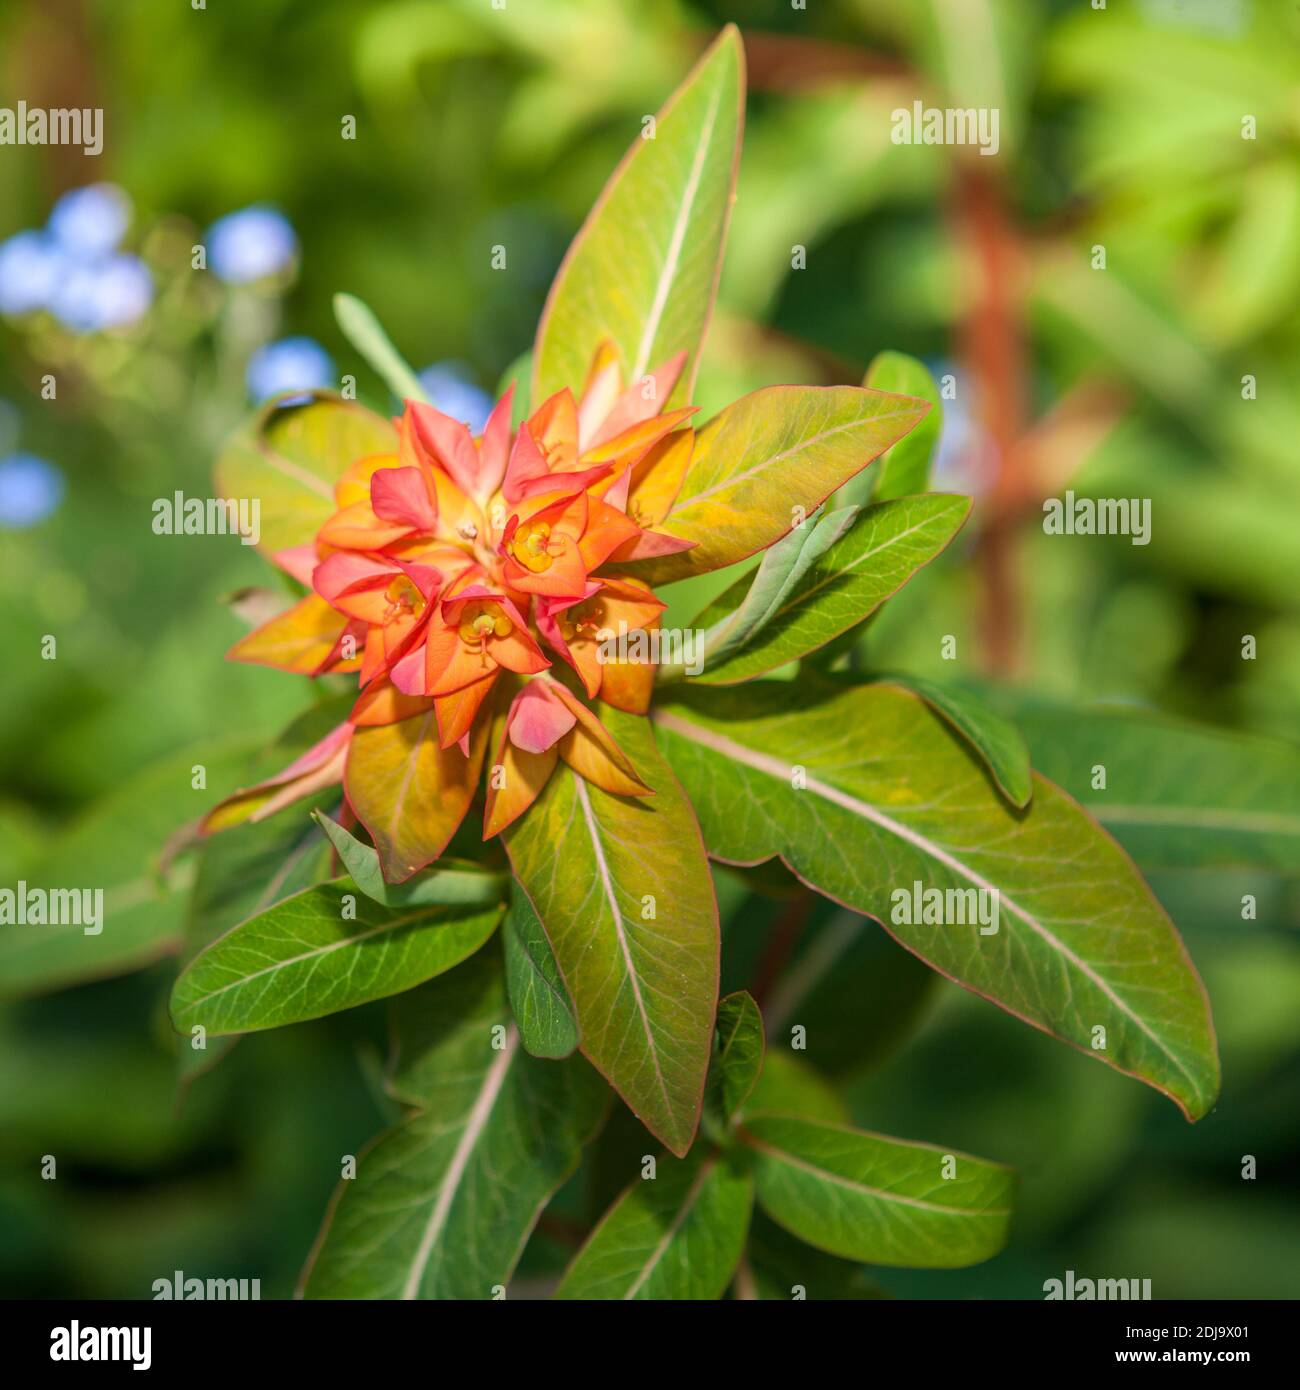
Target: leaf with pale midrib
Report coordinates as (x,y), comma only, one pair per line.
(303,959)
(760,458)
(677,1235)
(884,1201)
(644,988)
(443,1203)
(889,798)
(878,554)
(643,270)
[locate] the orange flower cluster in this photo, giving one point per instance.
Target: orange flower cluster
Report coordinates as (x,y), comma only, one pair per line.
(458,560)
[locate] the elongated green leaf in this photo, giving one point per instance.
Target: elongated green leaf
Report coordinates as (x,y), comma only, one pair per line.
(869,797)
(449,883)
(737,1060)
(115,850)
(290,457)
(884,1201)
(322,950)
(996,740)
(1177,795)
(878,555)
(366,334)
(442,1204)
(769,460)
(904,469)
(677,1235)
(783,566)
(538,998)
(643,270)
(623,889)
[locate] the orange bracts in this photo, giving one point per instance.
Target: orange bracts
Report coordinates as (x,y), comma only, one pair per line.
(457,559)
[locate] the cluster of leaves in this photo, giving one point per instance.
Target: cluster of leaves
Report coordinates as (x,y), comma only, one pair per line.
(601,934)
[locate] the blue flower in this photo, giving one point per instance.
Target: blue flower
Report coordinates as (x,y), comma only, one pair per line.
(292,364)
(89,222)
(30,490)
(31,269)
(125,291)
(103,294)
(250,244)
(448,388)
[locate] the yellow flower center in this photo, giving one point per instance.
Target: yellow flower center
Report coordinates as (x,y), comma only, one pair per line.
(479,621)
(533,548)
(403,595)
(583,619)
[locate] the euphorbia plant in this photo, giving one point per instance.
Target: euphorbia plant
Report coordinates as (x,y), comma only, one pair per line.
(504,764)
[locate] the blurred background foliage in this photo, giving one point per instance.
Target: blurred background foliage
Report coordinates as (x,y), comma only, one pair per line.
(1122,132)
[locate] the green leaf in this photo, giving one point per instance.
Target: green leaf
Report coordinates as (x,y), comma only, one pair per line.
(449,883)
(623,890)
(764,457)
(240,874)
(737,1060)
(443,1204)
(878,555)
(1177,795)
(996,740)
(643,270)
(783,566)
(869,797)
(538,999)
(903,469)
(678,1235)
(880,1200)
(117,849)
(290,457)
(303,958)
(364,331)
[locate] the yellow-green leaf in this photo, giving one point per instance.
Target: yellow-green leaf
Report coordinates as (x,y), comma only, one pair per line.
(643,270)
(769,460)
(622,887)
